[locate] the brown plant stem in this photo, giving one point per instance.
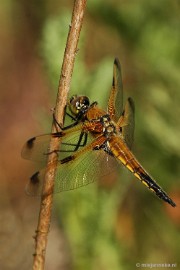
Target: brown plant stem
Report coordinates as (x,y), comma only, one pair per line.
(63,89)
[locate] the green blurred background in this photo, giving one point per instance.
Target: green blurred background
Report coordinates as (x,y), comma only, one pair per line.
(116,222)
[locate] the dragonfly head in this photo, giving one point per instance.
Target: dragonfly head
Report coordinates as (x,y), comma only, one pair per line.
(78,105)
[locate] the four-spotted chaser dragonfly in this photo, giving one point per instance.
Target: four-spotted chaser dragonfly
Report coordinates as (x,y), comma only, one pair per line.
(94,140)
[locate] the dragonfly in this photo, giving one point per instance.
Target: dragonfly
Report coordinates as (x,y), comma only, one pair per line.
(91,143)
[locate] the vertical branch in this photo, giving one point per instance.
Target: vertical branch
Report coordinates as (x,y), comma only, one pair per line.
(63,89)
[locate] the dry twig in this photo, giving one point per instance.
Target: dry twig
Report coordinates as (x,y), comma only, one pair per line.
(64,85)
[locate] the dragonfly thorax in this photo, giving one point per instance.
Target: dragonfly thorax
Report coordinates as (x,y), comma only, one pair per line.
(108,127)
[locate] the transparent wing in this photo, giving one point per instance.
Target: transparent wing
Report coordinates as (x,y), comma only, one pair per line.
(115,103)
(87,169)
(82,168)
(36,148)
(127,123)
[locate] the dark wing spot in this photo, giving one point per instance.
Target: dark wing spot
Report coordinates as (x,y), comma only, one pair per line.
(35,178)
(113,83)
(116,62)
(30,142)
(131,102)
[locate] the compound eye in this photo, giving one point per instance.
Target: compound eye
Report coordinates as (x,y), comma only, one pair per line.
(71,100)
(72,104)
(78,104)
(86,101)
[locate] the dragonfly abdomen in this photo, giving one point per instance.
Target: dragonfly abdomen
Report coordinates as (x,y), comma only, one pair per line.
(122,153)
(153,186)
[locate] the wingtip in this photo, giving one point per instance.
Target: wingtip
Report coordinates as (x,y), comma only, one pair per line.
(26,150)
(116,61)
(132,104)
(35,178)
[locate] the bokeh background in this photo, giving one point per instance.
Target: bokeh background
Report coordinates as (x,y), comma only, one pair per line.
(116,222)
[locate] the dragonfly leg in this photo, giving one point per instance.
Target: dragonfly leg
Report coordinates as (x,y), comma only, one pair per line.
(57,124)
(73,118)
(83,134)
(81,143)
(94,145)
